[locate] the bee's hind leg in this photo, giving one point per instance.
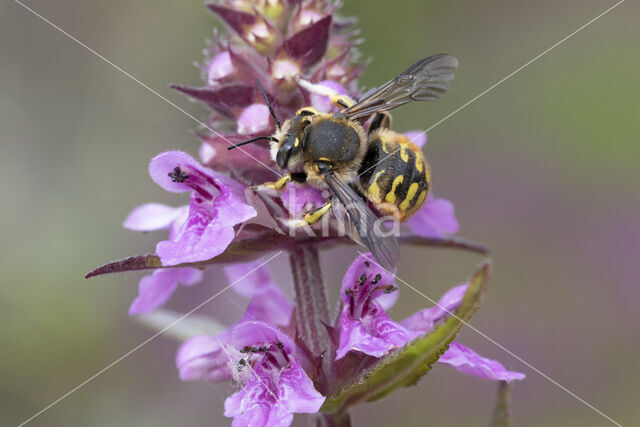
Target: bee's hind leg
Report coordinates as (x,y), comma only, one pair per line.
(337,99)
(381,120)
(314,215)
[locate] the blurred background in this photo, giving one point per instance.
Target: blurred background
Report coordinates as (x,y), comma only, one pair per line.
(543,169)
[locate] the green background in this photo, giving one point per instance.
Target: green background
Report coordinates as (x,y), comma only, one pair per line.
(543,169)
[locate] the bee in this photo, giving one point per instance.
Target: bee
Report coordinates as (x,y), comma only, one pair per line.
(332,151)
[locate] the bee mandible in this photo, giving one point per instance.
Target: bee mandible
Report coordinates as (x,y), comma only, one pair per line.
(332,151)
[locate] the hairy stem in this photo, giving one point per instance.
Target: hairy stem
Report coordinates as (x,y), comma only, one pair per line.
(312,308)
(312,314)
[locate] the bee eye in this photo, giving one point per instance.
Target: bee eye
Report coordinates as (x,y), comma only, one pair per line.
(282,157)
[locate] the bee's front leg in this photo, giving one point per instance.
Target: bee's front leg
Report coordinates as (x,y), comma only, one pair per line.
(314,215)
(280,184)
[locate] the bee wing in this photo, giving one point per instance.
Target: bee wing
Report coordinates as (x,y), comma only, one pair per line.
(426,80)
(373,233)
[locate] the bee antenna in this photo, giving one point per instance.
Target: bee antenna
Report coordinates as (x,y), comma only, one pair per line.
(264,94)
(249,141)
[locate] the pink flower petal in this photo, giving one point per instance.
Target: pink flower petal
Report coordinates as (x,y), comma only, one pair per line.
(424,320)
(277,386)
(268,303)
(417,137)
(203,359)
(300,199)
(469,362)
(436,219)
(220,67)
(155,289)
(364,324)
(207,152)
(364,265)
(374,333)
(254,119)
(152,216)
(285,69)
(217,204)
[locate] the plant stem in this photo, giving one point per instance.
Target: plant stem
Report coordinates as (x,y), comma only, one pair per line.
(339,419)
(312,308)
(312,313)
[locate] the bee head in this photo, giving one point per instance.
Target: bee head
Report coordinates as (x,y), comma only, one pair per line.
(288,143)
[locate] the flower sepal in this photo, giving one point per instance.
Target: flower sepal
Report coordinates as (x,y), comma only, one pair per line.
(406,365)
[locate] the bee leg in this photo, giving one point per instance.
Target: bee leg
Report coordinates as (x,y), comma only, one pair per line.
(336,99)
(382,120)
(341,101)
(314,215)
(280,184)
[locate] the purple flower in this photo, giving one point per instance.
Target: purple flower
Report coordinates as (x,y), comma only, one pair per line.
(469,362)
(217,204)
(298,200)
(254,120)
(220,67)
(417,137)
(365,326)
(155,216)
(155,289)
(278,360)
(436,219)
(265,362)
(202,358)
(425,320)
(267,302)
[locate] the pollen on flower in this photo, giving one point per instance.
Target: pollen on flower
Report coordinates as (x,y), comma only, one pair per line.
(177,175)
(240,370)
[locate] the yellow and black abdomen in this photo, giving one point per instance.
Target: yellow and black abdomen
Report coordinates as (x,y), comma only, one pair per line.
(394,175)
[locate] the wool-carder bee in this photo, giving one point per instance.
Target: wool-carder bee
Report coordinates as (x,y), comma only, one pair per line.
(333,151)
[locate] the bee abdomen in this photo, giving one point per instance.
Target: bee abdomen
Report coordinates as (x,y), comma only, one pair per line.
(394,175)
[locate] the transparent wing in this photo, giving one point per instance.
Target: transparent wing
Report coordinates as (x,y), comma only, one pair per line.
(373,233)
(426,80)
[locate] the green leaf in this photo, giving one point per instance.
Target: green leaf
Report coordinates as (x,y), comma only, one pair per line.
(502,412)
(178,326)
(407,365)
